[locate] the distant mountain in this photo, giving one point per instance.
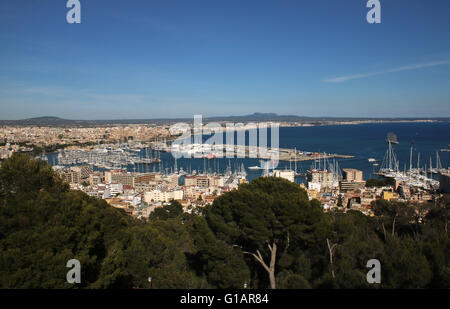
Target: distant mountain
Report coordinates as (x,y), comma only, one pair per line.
(255,117)
(47,119)
(304,119)
(260,117)
(42,121)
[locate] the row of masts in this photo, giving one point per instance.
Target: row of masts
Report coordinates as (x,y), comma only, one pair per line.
(321,164)
(390,162)
(427,169)
(326,165)
(210,167)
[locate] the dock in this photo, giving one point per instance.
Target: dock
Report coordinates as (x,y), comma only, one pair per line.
(290,156)
(239,151)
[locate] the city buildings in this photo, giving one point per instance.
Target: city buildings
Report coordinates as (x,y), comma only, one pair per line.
(140,193)
(320,179)
(286,174)
(94,161)
(352,180)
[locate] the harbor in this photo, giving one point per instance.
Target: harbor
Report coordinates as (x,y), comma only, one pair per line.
(211,151)
(107,157)
(418,176)
(158,155)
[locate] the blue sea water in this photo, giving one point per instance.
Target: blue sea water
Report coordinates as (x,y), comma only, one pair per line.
(363,141)
(366,141)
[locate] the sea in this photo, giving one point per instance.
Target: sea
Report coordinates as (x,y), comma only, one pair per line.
(363,141)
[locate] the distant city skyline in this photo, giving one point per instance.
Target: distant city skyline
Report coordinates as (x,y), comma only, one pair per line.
(173,59)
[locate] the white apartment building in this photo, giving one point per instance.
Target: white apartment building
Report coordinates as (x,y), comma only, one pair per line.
(286,174)
(163,195)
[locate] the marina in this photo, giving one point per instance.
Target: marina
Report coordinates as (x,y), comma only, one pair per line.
(108,157)
(366,155)
(211,151)
(418,176)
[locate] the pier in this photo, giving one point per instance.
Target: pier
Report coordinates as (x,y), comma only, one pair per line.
(221,151)
(291,155)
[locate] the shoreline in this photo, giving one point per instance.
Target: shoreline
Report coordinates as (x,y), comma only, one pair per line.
(359,122)
(171,122)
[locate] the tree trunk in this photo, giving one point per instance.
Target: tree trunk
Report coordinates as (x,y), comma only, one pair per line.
(273,258)
(393,225)
(331,249)
(270,269)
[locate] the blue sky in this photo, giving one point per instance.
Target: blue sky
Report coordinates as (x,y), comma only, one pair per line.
(165,58)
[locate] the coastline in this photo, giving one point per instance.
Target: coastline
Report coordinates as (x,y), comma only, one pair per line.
(358,122)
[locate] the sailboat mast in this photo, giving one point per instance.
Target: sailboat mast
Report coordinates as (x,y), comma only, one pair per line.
(418,160)
(295,154)
(410,159)
(390,151)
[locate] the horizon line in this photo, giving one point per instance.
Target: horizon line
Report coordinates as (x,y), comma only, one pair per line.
(269,115)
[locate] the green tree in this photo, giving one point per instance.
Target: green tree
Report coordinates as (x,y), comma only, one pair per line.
(379,182)
(223,267)
(269,213)
(173,210)
(404,265)
(395,214)
(350,245)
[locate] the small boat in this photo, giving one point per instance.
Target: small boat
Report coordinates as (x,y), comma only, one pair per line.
(372,160)
(254,167)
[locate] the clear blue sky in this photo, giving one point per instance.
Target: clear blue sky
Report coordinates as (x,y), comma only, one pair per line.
(165,58)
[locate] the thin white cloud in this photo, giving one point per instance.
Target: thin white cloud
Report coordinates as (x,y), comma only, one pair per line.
(345,78)
(67,93)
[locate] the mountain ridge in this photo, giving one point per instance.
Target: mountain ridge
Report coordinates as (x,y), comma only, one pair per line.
(257,116)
